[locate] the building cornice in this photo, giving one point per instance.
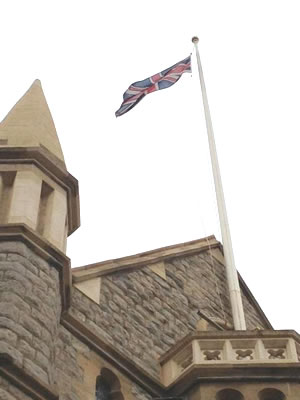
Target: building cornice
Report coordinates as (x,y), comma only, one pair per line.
(52,167)
(146,258)
(234,373)
(221,335)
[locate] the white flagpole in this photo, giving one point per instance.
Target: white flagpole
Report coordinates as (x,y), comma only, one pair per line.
(232,276)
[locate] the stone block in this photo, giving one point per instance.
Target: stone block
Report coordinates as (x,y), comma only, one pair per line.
(13,298)
(9,310)
(90,288)
(23,261)
(27,350)
(113,306)
(32,368)
(120,301)
(42,346)
(48,280)
(7,336)
(17,328)
(38,262)
(13,286)
(12,351)
(30,324)
(17,266)
(36,281)
(14,247)
(42,361)
(44,296)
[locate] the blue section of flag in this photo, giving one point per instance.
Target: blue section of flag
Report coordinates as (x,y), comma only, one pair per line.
(138,90)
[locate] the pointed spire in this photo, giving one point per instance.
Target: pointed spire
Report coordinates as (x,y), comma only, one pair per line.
(30,124)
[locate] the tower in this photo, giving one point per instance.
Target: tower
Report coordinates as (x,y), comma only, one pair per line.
(39,209)
(157,325)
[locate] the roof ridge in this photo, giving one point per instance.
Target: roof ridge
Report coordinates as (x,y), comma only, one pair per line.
(148,257)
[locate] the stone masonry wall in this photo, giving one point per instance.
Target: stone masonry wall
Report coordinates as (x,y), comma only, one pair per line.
(143,315)
(66,364)
(140,314)
(30,331)
(78,367)
(29,309)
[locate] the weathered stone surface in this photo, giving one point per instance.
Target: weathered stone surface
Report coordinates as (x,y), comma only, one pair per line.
(17,328)
(140,314)
(9,310)
(23,261)
(78,367)
(144,314)
(14,248)
(8,336)
(33,368)
(6,348)
(26,349)
(16,299)
(67,367)
(139,393)
(29,309)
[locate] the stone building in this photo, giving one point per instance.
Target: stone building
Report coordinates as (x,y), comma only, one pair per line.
(156,325)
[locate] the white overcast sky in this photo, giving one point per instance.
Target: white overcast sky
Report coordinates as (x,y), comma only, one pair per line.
(145,178)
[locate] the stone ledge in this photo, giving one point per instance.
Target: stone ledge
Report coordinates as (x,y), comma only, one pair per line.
(30,385)
(142,259)
(235,374)
(231,352)
(228,335)
(21,232)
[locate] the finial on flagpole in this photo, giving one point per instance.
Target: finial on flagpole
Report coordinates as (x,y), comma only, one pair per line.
(195,39)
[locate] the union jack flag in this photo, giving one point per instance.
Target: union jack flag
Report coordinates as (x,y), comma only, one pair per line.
(162,80)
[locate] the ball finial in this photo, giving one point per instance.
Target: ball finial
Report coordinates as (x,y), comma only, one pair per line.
(195,39)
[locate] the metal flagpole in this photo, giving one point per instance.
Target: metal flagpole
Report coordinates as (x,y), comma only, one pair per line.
(232,276)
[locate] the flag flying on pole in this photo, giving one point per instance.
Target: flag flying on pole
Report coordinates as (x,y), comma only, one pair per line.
(162,80)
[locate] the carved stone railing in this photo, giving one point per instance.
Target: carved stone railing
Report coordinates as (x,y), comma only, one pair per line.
(229,347)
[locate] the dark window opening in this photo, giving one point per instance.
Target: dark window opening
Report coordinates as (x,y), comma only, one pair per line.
(108,386)
(271,394)
(102,389)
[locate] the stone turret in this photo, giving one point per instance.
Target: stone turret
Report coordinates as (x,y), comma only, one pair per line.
(39,209)
(35,187)
(30,124)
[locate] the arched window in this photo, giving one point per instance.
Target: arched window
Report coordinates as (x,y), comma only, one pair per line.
(102,389)
(229,394)
(271,394)
(108,386)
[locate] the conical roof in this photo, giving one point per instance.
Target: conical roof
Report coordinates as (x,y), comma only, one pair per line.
(30,124)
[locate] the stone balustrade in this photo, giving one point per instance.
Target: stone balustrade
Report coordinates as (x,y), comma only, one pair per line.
(229,347)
